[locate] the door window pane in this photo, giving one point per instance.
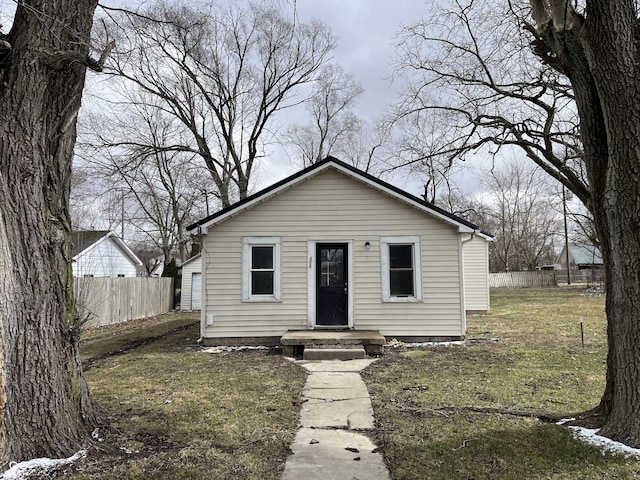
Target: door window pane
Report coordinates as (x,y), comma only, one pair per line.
(331,267)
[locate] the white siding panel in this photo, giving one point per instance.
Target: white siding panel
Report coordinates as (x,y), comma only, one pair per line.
(327,207)
(476,275)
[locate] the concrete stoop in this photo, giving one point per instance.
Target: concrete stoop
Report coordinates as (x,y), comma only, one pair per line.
(332,345)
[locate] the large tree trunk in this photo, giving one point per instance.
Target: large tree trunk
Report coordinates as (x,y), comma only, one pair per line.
(610,39)
(600,58)
(44,402)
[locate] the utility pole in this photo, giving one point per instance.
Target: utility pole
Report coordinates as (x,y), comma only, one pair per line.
(122,215)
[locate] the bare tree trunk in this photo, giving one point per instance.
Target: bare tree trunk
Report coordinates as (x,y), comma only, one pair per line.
(44,402)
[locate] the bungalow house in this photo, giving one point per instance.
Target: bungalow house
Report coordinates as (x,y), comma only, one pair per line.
(334,248)
(585,263)
(581,257)
(102,254)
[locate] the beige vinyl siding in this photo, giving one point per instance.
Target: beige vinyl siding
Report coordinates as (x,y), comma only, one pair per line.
(189,268)
(476,275)
(331,206)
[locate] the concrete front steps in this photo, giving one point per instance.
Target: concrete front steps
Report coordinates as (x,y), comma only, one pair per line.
(334,352)
(332,344)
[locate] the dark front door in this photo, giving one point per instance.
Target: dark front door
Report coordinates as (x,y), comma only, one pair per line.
(332,285)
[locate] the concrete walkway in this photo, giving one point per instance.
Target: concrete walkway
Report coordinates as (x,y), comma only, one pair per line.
(331,442)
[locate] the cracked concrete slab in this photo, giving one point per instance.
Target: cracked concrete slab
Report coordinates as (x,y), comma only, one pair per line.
(336,410)
(352,414)
(337,366)
(332,394)
(334,454)
(333,380)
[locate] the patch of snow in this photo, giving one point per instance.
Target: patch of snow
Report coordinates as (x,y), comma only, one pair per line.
(224,348)
(590,436)
(23,470)
(128,451)
(393,343)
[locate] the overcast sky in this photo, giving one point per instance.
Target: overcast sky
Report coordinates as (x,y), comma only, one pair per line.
(366,31)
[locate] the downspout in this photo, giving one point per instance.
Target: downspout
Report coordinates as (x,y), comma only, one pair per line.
(473,235)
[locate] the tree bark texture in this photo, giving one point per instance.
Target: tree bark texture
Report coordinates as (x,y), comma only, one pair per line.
(44,402)
(600,57)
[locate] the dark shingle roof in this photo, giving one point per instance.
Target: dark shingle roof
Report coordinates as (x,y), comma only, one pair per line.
(83,239)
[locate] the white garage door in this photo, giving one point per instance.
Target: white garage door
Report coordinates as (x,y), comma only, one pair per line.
(196,291)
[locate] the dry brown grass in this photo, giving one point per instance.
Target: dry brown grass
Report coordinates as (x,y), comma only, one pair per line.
(537,364)
(170,411)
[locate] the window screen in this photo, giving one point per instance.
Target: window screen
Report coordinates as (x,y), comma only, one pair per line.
(401,270)
(262,272)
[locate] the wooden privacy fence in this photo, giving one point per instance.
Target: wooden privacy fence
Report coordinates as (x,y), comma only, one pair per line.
(523,279)
(114,300)
(587,276)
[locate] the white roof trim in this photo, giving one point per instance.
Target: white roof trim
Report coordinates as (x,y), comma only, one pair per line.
(119,243)
(192,259)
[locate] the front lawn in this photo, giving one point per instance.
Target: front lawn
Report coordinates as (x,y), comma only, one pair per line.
(170,411)
(481,411)
(444,413)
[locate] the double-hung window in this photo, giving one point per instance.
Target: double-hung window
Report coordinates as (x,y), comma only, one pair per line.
(261,269)
(401,275)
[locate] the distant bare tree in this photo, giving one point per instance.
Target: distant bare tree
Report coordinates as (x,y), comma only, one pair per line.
(522,209)
(520,206)
(162,189)
(222,73)
(415,145)
(333,120)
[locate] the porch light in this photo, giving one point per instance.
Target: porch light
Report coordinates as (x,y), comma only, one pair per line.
(367,245)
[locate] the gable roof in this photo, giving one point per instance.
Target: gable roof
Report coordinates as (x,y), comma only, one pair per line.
(350,171)
(83,239)
(192,259)
(585,254)
(86,240)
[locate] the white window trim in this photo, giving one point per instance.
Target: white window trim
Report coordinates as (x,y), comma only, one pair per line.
(384,265)
(248,243)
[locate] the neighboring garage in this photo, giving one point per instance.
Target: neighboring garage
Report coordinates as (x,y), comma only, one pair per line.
(191,295)
(196,290)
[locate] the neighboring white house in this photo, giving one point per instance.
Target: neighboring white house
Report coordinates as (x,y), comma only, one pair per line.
(332,247)
(102,254)
(191,290)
